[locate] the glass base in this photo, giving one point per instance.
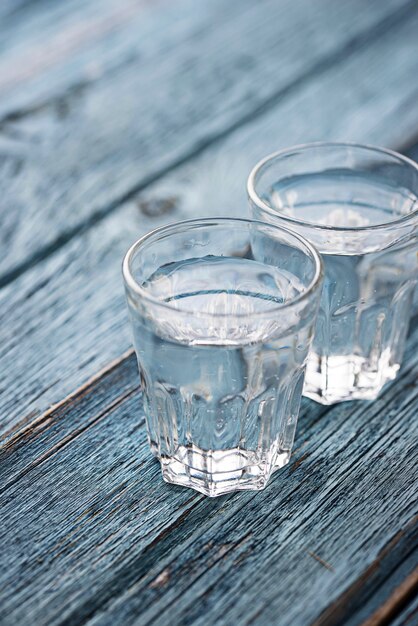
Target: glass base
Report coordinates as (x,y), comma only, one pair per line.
(215,473)
(335,379)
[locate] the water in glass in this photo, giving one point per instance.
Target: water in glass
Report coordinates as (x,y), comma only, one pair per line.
(222,400)
(366,299)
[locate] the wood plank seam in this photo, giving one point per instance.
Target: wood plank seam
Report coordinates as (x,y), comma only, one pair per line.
(45,420)
(68,439)
(396,539)
(75,396)
(76,527)
(9,440)
(79,374)
(195,499)
(374,565)
(393,542)
(409,616)
(9,449)
(363,40)
(136,582)
(340,607)
(399,599)
(372,568)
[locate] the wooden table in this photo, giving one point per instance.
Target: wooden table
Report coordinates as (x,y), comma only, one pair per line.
(117,116)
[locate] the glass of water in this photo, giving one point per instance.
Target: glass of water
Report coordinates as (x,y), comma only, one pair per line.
(223,313)
(358,205)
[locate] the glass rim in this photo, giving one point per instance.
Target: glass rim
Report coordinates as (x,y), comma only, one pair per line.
(133,285)
(257,169)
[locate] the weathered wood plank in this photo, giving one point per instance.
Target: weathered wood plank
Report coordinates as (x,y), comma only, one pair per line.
(396,603)
(114,448)
(50,48)
(66,318)
(67,163)
(266,544)
(45,436)
(383,588)
(92,535)
(408,616)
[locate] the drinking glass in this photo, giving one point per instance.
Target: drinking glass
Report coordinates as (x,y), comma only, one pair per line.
(358,205)
(222,312)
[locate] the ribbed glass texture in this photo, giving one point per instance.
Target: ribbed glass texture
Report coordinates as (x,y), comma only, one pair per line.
(358,205)
(223,314)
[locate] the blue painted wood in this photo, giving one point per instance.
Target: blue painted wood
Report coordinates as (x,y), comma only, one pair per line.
(384,589)
(409,615)
(91,534)
(72,318)
(50,49)
(122,93)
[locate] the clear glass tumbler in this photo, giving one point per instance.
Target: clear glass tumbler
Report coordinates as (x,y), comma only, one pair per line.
(223,312)
(358,206)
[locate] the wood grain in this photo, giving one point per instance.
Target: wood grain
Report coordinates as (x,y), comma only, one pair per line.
(408,616)
(50,49)
(383,589)
(116,117)
(399,598)
(91,534)
(71,317)
(70,159)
